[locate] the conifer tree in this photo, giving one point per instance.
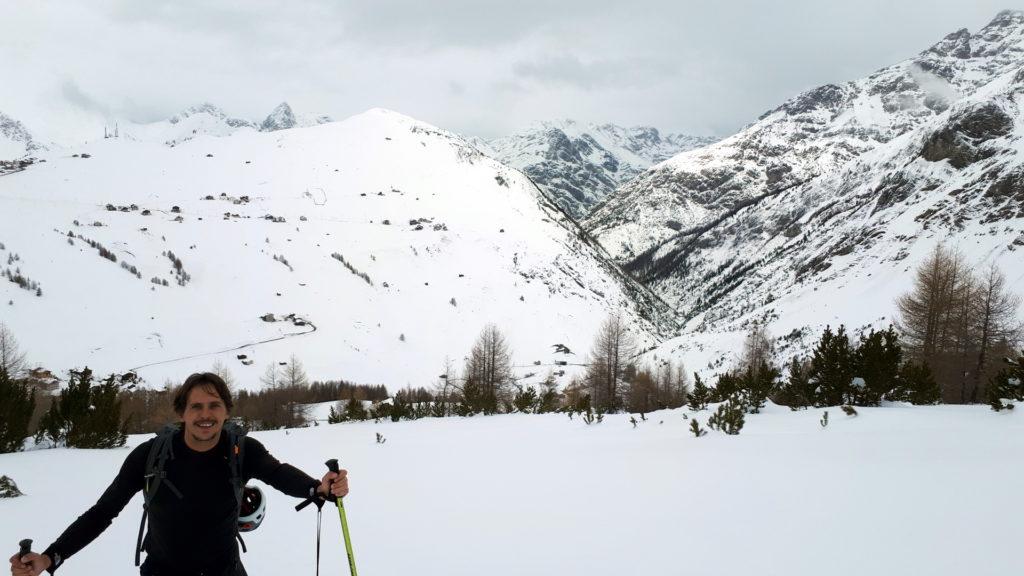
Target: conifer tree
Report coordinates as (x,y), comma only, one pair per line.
(728,417)
(354,410)
(877,360)
(1007,384)
(525,399)
(797,391)
(17,402)
(699,396)
(917,385)
(549,398)
(85,416)
(832,367)
(336,415)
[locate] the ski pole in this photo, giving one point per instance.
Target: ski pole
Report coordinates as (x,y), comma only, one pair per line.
(26,547)
(332,465)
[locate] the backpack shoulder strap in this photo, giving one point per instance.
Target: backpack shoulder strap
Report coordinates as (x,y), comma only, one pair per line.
(160,451)
(236,456)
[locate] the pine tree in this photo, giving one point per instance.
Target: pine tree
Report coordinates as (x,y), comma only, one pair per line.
(832,367)
(1007,384)
(917,385)
(525,399)
(354,410)
(335,416)
(696,429)
(549,397)
(699,396)
(17,402)
(877,360)
(85,416)
(728,418)
(797,391)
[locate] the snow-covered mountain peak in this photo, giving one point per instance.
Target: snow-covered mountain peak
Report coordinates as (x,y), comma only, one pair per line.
(212,111)
(577,164)
(282,118)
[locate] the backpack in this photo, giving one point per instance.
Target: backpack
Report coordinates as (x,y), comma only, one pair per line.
(162,450)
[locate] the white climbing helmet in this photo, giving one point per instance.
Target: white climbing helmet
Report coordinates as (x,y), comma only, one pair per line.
(253,511)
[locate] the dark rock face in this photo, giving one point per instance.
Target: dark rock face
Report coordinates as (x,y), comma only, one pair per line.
(894,188)
(960,140)
(827,97)
(282,118)
(14,130)
(957,45)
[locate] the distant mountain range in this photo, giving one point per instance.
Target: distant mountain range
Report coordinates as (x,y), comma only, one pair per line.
(578,165)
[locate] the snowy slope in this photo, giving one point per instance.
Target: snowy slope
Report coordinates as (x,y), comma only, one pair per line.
(818,213)
(577,165)
(814,134)
(887,492)
(449,240)
(15,140)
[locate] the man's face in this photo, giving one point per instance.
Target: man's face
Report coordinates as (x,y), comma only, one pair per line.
(205,414)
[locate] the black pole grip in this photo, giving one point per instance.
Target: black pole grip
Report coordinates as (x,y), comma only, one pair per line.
(26,547)
(332,465)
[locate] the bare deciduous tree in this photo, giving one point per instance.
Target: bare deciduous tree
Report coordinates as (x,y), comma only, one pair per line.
(12,359)
(489,367)
(953,321)
(293,374)
(613,347)
(757,348)
(994,312)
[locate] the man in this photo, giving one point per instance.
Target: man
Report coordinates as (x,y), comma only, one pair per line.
(192,523)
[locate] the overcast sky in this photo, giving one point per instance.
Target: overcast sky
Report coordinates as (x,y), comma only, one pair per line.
(472,66)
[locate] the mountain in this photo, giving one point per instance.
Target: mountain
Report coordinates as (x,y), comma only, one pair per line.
(577,165)
(371,248)
(816,133)
(195,121)
(15,140)
(818,212)
(282,118)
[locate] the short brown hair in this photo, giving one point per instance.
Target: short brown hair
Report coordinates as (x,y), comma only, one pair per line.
(205,379)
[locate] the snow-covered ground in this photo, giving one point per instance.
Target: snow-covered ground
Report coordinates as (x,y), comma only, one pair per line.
(895,490)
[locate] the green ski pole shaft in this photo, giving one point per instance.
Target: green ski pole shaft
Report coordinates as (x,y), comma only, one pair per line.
(332,465)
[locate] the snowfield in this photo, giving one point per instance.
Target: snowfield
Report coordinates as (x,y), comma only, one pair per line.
(896,490)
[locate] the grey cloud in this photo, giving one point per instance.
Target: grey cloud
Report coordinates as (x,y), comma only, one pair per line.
(485,68)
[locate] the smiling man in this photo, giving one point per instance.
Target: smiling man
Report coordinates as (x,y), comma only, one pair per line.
(194,521)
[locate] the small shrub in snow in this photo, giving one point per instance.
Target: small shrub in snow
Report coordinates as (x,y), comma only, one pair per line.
(352,268)
(380,438)
(824,420)
(8,489)
(848,410)
(728,417)
(696,430)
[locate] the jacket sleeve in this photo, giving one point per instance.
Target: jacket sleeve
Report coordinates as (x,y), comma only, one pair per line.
(95,520)
(260,464)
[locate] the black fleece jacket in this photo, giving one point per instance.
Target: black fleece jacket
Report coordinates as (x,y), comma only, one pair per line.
(194,534)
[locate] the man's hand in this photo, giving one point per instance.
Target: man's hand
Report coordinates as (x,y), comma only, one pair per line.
(334,485)
(30,564)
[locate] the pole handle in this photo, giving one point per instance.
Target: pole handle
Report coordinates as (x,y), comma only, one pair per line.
(332,465)
(25,547)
